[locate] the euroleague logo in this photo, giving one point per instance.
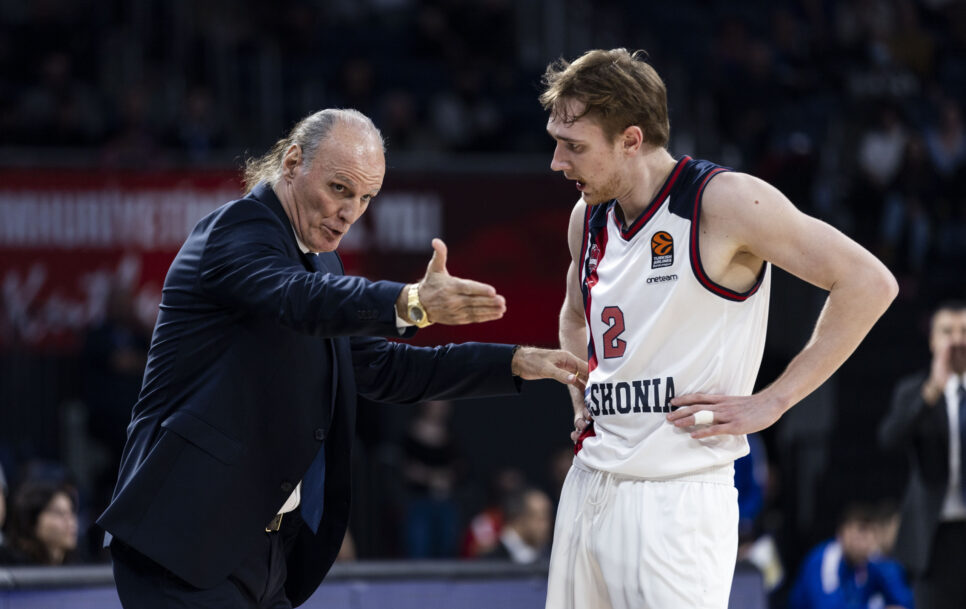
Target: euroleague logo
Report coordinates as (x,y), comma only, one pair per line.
(662,250)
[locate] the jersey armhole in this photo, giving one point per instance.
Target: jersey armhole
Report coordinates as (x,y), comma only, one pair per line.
(698,268)
(583,247)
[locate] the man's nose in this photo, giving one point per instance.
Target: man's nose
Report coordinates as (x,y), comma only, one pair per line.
(351,211)
(557,163)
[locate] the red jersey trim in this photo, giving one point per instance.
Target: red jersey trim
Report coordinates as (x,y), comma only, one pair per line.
(655,203)
(696,265)
(600,240)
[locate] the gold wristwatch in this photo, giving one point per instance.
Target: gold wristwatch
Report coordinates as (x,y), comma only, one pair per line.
(414,308)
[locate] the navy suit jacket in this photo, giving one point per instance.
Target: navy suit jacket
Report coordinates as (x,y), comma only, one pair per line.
(924,432)
(256,359)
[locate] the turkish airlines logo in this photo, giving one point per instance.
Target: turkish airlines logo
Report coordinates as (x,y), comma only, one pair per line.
(662,250)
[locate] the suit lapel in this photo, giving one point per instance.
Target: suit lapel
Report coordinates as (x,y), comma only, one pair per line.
(328,263)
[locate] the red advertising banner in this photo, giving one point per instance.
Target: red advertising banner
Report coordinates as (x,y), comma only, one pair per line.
(68,237)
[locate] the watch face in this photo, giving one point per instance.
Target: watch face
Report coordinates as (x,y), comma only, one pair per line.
(416,314)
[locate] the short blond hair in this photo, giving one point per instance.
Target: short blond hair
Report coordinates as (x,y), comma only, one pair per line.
(618,89)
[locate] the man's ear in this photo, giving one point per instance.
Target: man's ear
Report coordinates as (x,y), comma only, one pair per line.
(291,161)
(631,139)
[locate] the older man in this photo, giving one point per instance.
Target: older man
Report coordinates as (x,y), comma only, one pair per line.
(234,483)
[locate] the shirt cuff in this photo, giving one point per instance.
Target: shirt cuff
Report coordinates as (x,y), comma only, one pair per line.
(402,324)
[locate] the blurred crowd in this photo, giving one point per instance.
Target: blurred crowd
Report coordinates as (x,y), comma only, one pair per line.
(853,108)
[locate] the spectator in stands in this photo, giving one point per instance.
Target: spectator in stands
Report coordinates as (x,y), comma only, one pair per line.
(43,525)
(906,216)
(755,545)
(347,553)
(483,533)
(928,419)
(947,140)
(431,464)
(849,572)
(527,527)
(882,147)
(751,476)
(114,354)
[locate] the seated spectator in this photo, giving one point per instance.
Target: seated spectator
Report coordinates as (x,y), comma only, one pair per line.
(483,533)
(43,525)
(527,527)
(849,572)
(755,544)
(347,552)
(430,471)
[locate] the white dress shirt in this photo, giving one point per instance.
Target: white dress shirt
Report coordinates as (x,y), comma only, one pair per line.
(954,508)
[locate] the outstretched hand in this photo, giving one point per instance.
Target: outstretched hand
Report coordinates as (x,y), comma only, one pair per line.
(530,363)
(733,415)
(453,301)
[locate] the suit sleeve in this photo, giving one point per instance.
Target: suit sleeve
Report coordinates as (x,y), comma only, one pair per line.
(907,408)
(387,371)
(244,265)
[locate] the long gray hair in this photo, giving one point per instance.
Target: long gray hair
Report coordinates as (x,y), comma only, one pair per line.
(308,134)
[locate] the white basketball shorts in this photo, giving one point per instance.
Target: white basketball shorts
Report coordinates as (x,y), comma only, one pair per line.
(623,543)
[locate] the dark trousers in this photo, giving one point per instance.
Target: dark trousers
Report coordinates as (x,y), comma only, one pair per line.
(257,583)
(943,585)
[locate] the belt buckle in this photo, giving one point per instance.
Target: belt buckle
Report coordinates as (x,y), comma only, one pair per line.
(275,524)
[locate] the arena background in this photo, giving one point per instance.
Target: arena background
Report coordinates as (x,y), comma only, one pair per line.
(122,123)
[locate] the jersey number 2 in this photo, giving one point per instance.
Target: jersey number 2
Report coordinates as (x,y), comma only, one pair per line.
(614,318)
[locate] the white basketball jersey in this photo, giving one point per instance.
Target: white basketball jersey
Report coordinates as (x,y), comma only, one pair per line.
(659,327)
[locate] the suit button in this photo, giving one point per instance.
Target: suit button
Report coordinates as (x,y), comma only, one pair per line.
(320,434)
(287,487)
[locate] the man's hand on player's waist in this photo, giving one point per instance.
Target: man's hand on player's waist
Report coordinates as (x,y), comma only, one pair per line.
(733,415)
(530,363)
(581,422)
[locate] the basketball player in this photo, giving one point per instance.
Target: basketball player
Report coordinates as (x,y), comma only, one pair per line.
(668,296)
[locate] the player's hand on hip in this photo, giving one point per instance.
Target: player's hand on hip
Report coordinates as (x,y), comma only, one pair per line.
(530,363)
(716,415)
(453,301)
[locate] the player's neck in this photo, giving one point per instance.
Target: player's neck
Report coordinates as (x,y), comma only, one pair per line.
(647,176)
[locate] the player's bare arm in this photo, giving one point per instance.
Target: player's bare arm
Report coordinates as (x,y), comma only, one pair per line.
(745,221)
(573,325)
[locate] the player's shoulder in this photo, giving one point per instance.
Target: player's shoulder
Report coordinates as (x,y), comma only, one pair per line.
(578,213)
(577,224)
(688,181)
(728,188)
